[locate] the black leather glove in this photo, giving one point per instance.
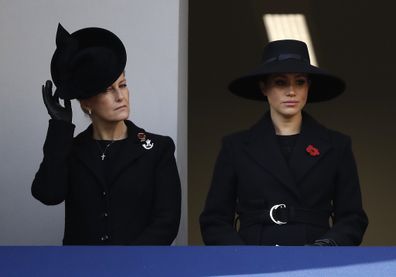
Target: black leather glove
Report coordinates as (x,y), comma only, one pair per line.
(54,108)
(324,242)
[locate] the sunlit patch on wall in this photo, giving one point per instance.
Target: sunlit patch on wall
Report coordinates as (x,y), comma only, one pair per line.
(289,26)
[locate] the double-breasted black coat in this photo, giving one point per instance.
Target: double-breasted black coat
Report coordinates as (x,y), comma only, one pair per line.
(251,176)
(141,205)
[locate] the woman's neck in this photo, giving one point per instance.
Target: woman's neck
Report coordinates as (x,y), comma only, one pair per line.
(109,130)
(286,126)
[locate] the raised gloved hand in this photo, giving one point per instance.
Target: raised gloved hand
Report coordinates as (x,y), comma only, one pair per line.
(54,108)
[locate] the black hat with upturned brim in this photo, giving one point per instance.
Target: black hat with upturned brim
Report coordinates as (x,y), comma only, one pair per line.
(86,62)
(288,56)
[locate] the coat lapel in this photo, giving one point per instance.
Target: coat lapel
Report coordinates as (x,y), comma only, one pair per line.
(133,150)
(262,146)
(89,154)
(312,133)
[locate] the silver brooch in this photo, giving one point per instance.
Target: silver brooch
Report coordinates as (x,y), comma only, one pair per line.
(147,142)
(148,145)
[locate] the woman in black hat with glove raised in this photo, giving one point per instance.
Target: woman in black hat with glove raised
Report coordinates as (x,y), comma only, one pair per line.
(120,183)
(287,180)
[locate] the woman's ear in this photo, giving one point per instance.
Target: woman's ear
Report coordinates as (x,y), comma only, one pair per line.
(262,88)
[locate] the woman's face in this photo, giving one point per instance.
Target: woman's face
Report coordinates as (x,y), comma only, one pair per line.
(111,105)
(286,93)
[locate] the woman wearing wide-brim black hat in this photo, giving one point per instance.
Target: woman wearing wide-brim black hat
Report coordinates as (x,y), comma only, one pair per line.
(120,184)
(287,180)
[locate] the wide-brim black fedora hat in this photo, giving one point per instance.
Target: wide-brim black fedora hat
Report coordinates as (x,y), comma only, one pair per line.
(288,56)
(86,62)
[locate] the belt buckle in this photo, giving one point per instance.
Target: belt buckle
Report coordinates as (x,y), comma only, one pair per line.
(275,207)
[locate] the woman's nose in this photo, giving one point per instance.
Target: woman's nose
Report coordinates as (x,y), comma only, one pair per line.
(291,91)
(118,94)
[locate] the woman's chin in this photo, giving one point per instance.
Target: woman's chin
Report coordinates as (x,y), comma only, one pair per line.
(122,116)
(118,118)
(290,112)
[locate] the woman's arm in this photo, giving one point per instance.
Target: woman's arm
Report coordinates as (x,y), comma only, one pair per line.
(350,220)
(217,219)
(166,210)
(50,183)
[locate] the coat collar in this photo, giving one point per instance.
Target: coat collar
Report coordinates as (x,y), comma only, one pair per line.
(262,145)
(312,133)
(87,151)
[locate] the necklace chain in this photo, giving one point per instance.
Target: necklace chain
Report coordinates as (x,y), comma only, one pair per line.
(103,156)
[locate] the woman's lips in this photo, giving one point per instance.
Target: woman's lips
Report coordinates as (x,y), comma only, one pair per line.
(290,103)
(121,107)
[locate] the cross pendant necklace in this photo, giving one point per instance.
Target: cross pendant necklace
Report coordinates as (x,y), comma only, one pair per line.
(103,156)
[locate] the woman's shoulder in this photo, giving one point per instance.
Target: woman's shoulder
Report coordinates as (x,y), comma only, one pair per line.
(235,138)
(335,136)
(339,139)
(146,137)
(162,140)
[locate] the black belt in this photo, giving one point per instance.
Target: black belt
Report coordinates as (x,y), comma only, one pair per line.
(281,214)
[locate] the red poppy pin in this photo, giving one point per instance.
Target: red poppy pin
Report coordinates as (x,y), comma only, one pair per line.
(313,151)
(141,136)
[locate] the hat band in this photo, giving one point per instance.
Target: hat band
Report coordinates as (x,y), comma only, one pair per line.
(282,57)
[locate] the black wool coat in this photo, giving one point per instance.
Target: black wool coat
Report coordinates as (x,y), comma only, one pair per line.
(251,176)
(142,204)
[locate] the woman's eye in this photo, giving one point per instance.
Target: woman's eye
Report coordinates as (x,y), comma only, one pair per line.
(280,82)
(301,82)
(123,85)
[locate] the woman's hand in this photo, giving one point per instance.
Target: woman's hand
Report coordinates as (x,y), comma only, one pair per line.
(324,242)
(54,108)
